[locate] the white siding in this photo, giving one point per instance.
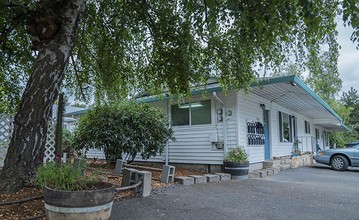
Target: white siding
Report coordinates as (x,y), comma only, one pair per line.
(249,109)
(193,143)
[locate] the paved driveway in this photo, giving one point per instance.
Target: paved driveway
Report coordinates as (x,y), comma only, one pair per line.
(304,193)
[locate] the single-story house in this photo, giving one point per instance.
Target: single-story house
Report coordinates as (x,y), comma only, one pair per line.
(267,121)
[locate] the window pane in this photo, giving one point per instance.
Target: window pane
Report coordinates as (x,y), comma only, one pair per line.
(286,128)
(201,112)
(180,114)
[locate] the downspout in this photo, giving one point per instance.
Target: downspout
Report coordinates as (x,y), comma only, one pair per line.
(224,123)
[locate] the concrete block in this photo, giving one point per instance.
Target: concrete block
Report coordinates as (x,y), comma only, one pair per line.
(267,164)
(284,167)
(184,180)
(263,173)
(276,170)
(144,189)
(128,177)
(286,161)
(199,179)
(270,172)
(212,177)
(224,176)
(254,174)
(168,173)
(119,166)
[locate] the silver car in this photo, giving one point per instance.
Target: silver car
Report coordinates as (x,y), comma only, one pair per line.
(340,158)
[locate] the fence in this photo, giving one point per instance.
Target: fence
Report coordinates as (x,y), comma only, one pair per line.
(6,127)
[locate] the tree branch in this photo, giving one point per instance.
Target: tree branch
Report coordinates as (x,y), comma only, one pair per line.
(77,77)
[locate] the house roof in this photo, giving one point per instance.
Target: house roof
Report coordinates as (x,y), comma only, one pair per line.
(73,111)
(290,92)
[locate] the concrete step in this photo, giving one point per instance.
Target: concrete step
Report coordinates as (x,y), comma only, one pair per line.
(284,167)
(271,163)
(286,161)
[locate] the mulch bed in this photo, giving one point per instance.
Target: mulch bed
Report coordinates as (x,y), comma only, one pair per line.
(35,209)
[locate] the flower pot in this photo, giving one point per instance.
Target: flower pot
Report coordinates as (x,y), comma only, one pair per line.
(87,204)
(237,170)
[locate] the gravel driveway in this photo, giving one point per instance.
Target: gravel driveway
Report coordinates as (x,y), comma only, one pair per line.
(315,192)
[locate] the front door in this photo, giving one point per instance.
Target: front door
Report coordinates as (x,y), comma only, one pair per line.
(266,134)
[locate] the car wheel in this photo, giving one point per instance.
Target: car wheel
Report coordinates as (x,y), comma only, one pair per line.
(339,163)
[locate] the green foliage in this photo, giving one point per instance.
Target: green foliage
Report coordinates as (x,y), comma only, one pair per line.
(350,100)
(123,129)
(63,177)
(66,139)
(123,47)
(324,76)
(237,154)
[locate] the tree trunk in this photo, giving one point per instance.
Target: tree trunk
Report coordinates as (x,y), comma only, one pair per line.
(28,139)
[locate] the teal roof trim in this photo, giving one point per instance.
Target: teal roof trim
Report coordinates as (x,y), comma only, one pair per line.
(80,112)
(194,92)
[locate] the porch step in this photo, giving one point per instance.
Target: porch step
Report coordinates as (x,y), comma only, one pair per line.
(271,163)
(284,167)
(271,167)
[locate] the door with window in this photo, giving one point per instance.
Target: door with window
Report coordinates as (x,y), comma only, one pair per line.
(266,135)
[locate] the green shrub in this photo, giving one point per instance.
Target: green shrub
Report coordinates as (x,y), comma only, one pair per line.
(63,177)
(237,154)
(123,130)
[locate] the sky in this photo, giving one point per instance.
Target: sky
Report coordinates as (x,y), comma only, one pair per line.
(348,62)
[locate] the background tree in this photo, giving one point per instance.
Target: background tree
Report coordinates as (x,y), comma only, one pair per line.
(325,79)
(124,129)
(119,47)
(350,100)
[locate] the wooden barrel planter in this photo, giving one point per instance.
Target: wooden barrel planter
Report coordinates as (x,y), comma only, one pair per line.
(86,205)
(237,170)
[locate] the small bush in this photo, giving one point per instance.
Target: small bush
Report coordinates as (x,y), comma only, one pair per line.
(237,154)
(123,130)
(63,177)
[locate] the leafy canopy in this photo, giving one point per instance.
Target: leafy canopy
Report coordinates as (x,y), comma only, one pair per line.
(123,130)
(128,46)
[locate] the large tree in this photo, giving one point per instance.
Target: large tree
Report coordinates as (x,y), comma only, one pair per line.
(117,47)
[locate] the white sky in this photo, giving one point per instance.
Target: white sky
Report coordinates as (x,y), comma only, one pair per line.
(348,63)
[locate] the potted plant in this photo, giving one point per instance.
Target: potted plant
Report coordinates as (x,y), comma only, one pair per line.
(69,194)
(295,150)
(236,163)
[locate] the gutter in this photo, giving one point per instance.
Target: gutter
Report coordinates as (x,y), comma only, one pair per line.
(224,123)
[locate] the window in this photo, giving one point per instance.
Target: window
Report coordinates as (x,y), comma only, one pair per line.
(285,127)
(317,133)
(307,127)
(193,113)
(325,138)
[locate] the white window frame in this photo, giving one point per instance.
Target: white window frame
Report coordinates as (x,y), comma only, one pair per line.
(190,113)
(281,130)
(306,127)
